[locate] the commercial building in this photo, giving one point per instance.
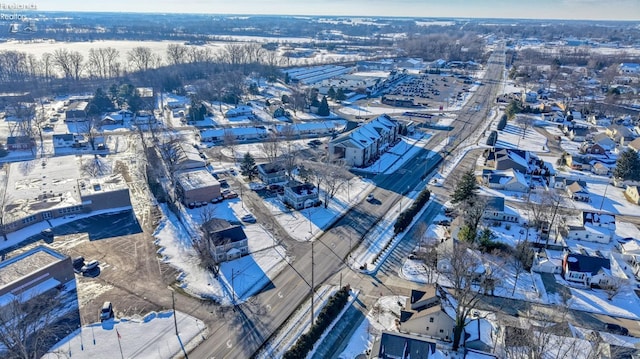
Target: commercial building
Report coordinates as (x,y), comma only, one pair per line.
(196,186)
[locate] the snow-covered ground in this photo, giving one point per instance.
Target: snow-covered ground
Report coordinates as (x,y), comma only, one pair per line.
(152,336)
(245,275)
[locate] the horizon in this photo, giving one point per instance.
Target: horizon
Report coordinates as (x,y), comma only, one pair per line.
(592,10)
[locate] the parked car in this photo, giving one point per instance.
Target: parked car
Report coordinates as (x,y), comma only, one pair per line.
(256,186)
(444,222)
(78,263)
(248,218)
(217,200)
(106,312)
(616,329)
(90,266)
(230,195)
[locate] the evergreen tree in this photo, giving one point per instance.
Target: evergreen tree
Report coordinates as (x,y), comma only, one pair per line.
(196,111)
(331,93)
(340,96)
(502,123)
(248,166)
(628,166)
(323,109)
(466,189)
(100,103)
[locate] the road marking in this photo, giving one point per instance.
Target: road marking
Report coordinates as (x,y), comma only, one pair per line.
(268,308)
(229,344)
(280,295)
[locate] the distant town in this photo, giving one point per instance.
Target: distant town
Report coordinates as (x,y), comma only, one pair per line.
(318,187)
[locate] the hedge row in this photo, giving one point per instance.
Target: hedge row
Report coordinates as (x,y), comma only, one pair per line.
(305,343)
(502,123)
(405,218)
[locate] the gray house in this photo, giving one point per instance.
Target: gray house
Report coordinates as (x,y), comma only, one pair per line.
(270,173)
(227,241)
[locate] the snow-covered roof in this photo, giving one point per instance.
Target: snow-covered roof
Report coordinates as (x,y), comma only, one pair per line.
(26,263)
(190,180)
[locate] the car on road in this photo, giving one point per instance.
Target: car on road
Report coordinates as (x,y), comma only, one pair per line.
(616,329)
(370,197)
(90,266)
(229,195)
(444,222)
(78,263)
(47,233)
(248,218)
(257,186)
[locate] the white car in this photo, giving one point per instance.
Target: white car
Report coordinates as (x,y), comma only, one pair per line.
(370,197)
(90,266)
(248,218)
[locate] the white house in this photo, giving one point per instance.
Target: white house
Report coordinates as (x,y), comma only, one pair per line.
(629,68)
(593,227)
(239,111)
(300,195)
(587,270)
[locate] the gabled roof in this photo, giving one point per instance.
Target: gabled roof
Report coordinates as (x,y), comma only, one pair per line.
(586,264)
(575,187)
(494,203)
(635,144)
(230,234)
(399,345)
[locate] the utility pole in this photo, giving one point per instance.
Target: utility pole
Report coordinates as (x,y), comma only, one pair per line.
(312,284)
(173,305)
(233,290)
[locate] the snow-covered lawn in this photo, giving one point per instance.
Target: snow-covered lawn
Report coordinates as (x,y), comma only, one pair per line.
(512,137)
(624,304)
(247,274)
(305,224)
(152,336)
(607,198)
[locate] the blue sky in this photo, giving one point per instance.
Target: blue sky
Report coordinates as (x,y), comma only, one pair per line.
(539,9)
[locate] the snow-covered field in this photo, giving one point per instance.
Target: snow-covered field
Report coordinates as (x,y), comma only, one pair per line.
(397,155)
(152,336)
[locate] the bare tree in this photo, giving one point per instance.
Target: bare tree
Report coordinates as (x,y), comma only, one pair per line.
(613,286)
(171,150)
(96,167)
(230,141)
(524,122)
(463,263)
(335,177)
(103,62)
(28,329)
(177,54)
(288,135)
(205,249)
(48,62)
(91,129)
(521,261)
(142,58)
(271,147)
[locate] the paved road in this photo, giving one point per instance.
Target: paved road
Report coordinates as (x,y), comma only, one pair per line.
(255,322)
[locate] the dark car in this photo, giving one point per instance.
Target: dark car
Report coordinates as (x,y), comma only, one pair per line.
(616,329)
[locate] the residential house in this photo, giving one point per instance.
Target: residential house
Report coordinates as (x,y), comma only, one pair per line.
(587,270)
(69,140)
(76,111)
(187,158)
(400,345)
(578,192)
(635,144)
(577,134)
(424,315)
(20,143)
(300,195)
(576,162)
(632,195)
(239,111)
(629,68)
(606,142)
(620,134)
(600,169)
(509,180)
(593,148)
(235,133)
(306,129)
(228,241)
(362,145)
(506,158)
(598,120)
(478,335)
(496,210)
(530,97)
(591,227)
(559,182)
(270,173)
(544,263)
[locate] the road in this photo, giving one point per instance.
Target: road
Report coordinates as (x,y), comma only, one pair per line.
(255,322)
